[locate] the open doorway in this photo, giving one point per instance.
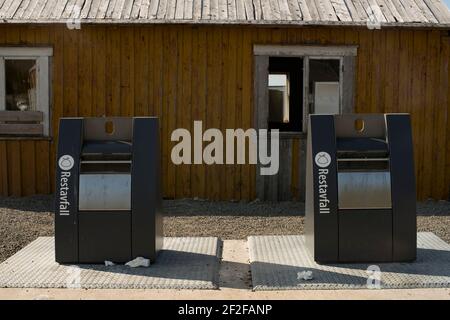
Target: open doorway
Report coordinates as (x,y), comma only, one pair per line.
(285,85)
(290,83)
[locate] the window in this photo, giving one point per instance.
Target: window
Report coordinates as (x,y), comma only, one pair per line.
(301,86)
(324,86)
(292,82)
(24,91)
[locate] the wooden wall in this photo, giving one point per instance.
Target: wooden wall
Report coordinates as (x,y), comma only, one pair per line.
(183,73)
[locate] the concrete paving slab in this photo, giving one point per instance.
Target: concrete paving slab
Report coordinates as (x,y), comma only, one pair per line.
(184,263)
(277,263)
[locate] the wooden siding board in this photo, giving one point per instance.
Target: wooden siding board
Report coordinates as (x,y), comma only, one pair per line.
(28,168)
(248,171)
(85,71)
(397,71)
(173,62)
(42,154)
(185,103)
(14,168)
(230,93)
(99,60)
(142,70)
(429,137)
(445,98)
(238,115)
(417,104)
(127,71)
(70,108)
(4,190)
(440,188)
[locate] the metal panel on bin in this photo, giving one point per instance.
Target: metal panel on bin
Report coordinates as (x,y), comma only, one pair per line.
(370,190)
(102,192)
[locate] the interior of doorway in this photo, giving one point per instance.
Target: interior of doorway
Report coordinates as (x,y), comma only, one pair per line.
(299,86)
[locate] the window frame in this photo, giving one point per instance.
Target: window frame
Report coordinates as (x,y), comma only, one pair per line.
(262,53)
(42,55)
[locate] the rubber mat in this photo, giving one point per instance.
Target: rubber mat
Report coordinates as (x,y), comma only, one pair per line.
(184,263)
(283,263)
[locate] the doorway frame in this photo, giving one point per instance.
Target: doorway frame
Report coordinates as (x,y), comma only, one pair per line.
(275,188)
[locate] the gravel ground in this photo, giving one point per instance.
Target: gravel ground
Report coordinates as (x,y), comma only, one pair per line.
(22,220)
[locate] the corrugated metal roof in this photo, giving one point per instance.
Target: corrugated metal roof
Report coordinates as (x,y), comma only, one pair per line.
(280,12)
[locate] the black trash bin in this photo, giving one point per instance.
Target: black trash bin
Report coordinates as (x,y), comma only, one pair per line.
(360,196)
(108,190)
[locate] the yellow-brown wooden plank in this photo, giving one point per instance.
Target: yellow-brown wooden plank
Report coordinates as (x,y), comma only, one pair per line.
(248,179)
(171,59)
(127,71)
(184,104)
(14,168)
(57,38)
(85,69)
(100,64)
(440,188)
(70,88)
(238,116)
(295,169)
(446,73)
(113,105)
(199,83)
(3,169)
(391,71)
(230,107)
(417,105)
(42,167)
(429,136)
(28,167)
(141,71)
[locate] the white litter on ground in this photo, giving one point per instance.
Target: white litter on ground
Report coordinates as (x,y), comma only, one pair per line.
(109,263)
(138,262)
(305,275)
